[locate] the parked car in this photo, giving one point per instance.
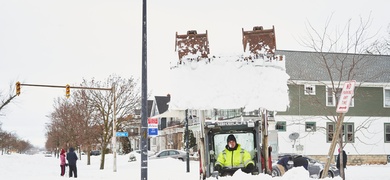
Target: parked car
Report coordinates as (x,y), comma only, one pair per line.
(137,153)
(48,154)
(170,153)
(95,153)
(315,167)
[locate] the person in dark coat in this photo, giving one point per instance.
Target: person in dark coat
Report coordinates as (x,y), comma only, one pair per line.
(300,161)
(284,164)
(72,159)
(344,160)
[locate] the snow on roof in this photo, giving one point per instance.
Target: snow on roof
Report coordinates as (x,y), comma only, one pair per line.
(230,82)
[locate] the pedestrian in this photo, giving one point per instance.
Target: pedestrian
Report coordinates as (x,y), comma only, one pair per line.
(344,162)
(72,159)
(269,164)
(284,164)
(62,162)
(233,157)
(300,161)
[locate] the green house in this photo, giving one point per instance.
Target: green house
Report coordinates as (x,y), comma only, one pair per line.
(315,83)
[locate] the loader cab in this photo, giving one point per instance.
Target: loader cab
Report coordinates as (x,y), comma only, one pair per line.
(248,134)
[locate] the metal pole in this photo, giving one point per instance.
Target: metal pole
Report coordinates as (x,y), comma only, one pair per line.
(114,128)
(265,141)
(144,110)
(187,142)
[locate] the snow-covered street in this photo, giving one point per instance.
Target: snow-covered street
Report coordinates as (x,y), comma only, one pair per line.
(38,167)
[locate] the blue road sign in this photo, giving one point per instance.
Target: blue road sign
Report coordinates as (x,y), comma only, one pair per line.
(152,131)
(122,134)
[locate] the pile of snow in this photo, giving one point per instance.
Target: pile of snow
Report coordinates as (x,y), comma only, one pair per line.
(21,166)
(229,82)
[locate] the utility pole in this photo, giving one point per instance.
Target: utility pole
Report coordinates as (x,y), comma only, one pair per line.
(114,127)
(144,109)
(187,142)
(264,115)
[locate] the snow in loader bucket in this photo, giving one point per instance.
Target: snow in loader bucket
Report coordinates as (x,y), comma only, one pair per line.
(230,82)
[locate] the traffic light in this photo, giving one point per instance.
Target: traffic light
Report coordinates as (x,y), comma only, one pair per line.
(67,91)
(18,88)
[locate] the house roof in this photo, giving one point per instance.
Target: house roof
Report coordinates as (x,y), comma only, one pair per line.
(310,66)
(150,105)
(162,103)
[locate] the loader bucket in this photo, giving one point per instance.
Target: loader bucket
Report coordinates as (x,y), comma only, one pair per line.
(259,40)
(192,43)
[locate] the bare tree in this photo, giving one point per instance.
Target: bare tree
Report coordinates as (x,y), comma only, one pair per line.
(341,56)
(86,119)
(128,99)
(7,99)
(91,130)
(382,45)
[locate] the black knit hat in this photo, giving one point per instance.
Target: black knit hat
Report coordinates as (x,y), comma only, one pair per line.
(231,138)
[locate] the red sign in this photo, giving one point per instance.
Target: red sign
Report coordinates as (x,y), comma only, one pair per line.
(346,96)
(152,121)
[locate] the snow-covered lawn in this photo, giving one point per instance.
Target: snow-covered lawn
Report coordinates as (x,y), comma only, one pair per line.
(39,167)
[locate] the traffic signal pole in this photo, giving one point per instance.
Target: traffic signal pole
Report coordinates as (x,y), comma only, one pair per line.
(67,94)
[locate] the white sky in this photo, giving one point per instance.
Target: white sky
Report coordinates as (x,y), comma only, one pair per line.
(61,42)
(22,166)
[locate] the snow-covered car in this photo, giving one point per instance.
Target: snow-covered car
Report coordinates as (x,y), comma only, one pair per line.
(170,153)
(137,154)
(315,167)
(48,154)
(95,153)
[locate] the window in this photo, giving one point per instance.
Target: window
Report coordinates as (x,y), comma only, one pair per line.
(347,130)
(349,133)
(387,132)
(310,126)
(331,97)
(310,89)
(330,127)
(386,97)
(280,126)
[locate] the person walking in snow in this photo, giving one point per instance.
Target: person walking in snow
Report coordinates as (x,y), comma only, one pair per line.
(72,159)
(284,164)
(300,161)
(269,164)
(62,161)
(338,164)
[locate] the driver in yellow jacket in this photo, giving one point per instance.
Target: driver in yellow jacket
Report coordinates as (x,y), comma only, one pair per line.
(232,158)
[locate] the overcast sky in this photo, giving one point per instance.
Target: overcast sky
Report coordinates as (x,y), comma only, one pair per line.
(61,42)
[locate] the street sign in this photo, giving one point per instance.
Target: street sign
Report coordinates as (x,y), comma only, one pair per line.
(152,126)
(122,134)
(153,131)
(346,96)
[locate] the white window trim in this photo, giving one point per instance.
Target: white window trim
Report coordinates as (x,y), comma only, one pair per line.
(313,87)
(384,97)
(334,99)
(326,98)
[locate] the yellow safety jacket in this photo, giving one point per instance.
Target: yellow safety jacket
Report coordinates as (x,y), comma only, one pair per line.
(238,158)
